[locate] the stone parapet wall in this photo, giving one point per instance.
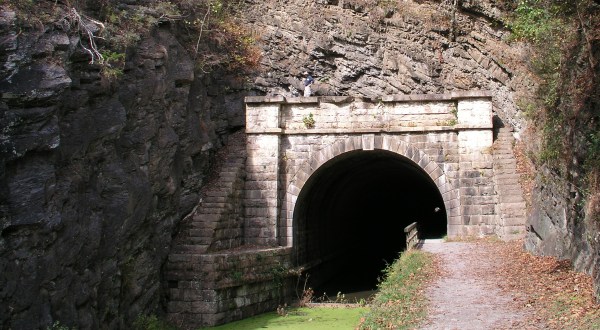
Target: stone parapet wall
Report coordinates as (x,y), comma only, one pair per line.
(215,288)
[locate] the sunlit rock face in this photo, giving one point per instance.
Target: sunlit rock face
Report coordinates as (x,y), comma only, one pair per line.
(359,48)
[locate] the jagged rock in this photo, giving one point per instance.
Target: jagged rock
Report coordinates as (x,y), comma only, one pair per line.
(368,48)
(95,174)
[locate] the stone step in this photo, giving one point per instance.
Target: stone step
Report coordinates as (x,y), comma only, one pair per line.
(504,134)
(218,193)
(506,168)
(201,217)
(514,221)
(508,180)
(199,232)
(502,175)
(502,152)
(514,207)
(208,211)
(211,217)
(199,240)
(510,198)
(228,176)
(511,203)
(189,249)
(505,161)
(500,155)
(236,162)
(214,199)
(214,205)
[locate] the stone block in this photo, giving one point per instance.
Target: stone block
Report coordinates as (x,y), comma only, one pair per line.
(473,220)
(489,219)
(470,210)
(368,141)
(179,306)
(454,231)
(423,161)
(440,180)
(214,319)
(488,209)
(432,167)
(469,191)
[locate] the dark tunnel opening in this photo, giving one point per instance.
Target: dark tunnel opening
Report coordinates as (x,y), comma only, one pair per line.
(350,216)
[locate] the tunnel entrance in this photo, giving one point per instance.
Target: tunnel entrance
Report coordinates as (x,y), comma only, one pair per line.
(350,216)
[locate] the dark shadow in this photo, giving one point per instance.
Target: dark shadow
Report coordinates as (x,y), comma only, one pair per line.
(350,217)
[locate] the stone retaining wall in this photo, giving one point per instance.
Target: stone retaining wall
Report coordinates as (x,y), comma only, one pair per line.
(215,288)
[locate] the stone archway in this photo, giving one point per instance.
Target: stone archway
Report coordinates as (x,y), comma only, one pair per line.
(351,202)
(389,143)
(448,136)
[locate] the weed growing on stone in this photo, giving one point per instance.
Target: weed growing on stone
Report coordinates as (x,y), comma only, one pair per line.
(309,121)
(151,322)
(58,326)
(400,304)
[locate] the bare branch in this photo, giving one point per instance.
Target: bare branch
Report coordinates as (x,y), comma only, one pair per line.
(88,27)
(204,21)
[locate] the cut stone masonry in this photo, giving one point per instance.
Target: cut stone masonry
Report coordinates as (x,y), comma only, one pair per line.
(240,248)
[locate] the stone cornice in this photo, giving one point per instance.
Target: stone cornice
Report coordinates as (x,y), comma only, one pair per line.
(477,94)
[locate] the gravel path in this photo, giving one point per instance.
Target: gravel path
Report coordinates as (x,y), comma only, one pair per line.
(466,294)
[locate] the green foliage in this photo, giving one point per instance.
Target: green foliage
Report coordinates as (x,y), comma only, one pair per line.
(314,318)
(399,304)
(280,272)
(58,326)
(552,140)
(592,161)
(536,22)
(112,64)
(237,276)
(208,29)
(151,322)
(309,121)
(563,34)
(216,39)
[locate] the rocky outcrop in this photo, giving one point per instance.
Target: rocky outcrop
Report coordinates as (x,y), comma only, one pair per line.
(96,173)
(558,226)
(368,48)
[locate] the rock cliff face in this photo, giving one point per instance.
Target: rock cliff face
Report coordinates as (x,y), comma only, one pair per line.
(374,48)
(95,174)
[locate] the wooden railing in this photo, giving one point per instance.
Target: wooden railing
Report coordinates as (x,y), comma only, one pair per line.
(412,236)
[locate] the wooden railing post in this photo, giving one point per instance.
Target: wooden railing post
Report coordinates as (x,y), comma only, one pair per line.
(412,236)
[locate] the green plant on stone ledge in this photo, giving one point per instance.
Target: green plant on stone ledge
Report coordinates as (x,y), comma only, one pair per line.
(151,322)
(309,121)
(57,326)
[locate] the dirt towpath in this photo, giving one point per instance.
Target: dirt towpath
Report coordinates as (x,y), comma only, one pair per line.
(467,295)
